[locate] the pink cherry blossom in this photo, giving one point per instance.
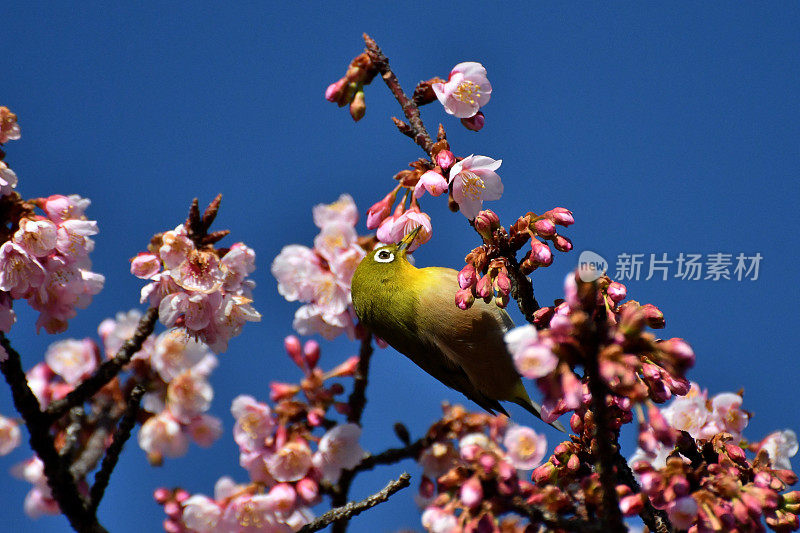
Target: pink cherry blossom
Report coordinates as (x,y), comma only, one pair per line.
(8,180)
(239,262)
(310,319)
(688,413)
(728,413)
(73,240)
(188,395)
(683,512)
(526,448)
(408,222)
(533,358)
(781,447)
(145,265)
(437,520)
(334,237)
(474,180)
(72,359)
(254,422)
(466,91)
(431,181)
(198,272)
(161,435)
(342,210)
(339,449)
(10,435)
(175,352)
(290,462)
(437,459)
(251,514)
(205,429)
(295,268)
(201,514)
(19,271)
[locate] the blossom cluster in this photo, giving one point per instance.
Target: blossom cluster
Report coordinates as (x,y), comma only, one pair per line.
(472,471)
(44,256)
(349,90)
(487,272)
(203,289)
(276,449)
(172,367)
(320,277)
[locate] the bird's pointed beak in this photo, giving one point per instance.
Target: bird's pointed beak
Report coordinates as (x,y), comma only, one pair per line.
(409,239)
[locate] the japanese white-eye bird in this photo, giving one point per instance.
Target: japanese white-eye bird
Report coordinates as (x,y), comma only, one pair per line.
(414,311)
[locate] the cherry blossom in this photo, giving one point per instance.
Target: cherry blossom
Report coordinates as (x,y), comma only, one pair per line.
(431,181)
(10,435)
(8,180)
(526,448)
(72,359)
(474,180)
(338,449)
(533,358)
(781,447)
(466,91)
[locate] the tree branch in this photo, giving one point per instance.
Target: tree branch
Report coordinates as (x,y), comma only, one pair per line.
(121,435)
(346,512)
(358,398)
(107,371)
(537,516)
(417,129)
(654,519)
(59,479)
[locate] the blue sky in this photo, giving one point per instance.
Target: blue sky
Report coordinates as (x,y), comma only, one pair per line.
(665,129)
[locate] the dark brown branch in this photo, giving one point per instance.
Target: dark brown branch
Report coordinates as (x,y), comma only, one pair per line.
(410,109)
(121,435)
(107,371)
(521,288)
(393,455)
(606,438)
(553,522)
(59,479)
(348,511)
(356,403)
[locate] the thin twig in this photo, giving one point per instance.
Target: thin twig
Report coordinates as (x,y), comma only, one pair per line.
(107,371)
(121,435)
(61,483)
(393,455)
(410,109)
(537,516)
(346,512)
(356,403)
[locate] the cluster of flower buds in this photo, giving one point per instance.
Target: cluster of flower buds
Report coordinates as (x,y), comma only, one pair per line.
(711,485)
(195,285)
(276,450)
(538,229)
(471,470)
(320,277)
(486,274)
(171,367)
(632,362)
(350,88)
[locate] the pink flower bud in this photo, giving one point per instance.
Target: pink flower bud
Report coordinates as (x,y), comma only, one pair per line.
(541,253)
(464,298)
(334,90)
(315,416)
(181,495)
(471,492)
(172,526)
(542,475)
(445,159)
(173,509)
(145,265)
(631,505)
(292,346)
(348,368)
(161,495)
(475,122)
(431,181)
(501,283)
(562,244)
(487,461)
(617,292)
(467,277)
(358,107)
(307,489)
(561,216)
(653,315)
(544,227)
(680,350)
(379,211)
(281,391)
(484,287)
(311,352)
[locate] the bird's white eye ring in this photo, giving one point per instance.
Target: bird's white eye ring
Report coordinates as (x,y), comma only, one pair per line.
(384,256)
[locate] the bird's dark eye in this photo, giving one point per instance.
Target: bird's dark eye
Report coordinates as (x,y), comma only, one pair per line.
(384,256)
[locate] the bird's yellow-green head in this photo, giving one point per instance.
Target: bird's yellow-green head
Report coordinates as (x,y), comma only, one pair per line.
(385,281)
